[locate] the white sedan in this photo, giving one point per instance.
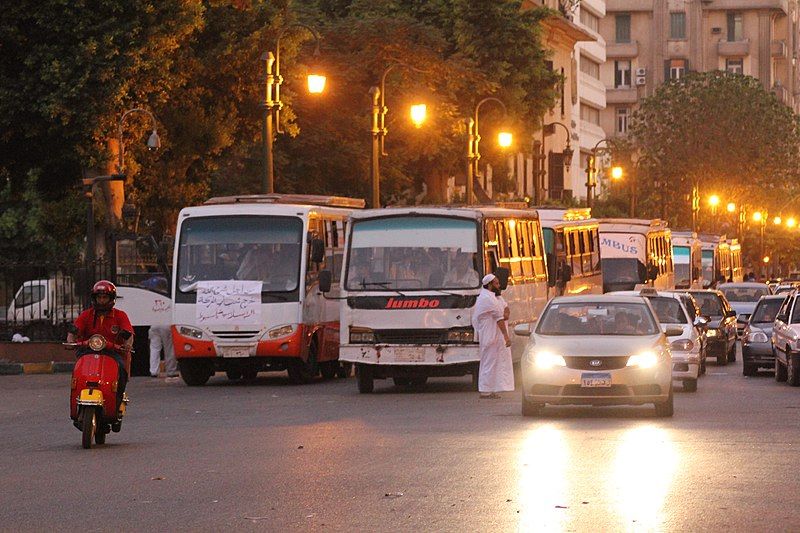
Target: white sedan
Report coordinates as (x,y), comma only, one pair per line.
(597,350)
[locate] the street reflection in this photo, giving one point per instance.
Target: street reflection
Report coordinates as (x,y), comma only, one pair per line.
(642,474)
(543,480)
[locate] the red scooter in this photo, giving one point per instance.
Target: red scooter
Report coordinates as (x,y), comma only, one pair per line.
(93,392)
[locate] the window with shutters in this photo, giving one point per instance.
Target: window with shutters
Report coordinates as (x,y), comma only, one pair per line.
(735,27)
(623,28)
(677,25)
(622,74)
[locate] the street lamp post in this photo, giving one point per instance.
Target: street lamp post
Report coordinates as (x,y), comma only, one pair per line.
(547,130)
(591,169)
(272,104)
(379,130)
(473,145)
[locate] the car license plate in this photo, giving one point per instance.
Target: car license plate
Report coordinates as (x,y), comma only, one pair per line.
(409,355)
(235,351)
(595,379)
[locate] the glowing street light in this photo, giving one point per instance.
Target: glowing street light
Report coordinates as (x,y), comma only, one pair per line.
(757,216)
(766,259)
(316,83)
(791,222)
(777,221)
(731,207)
(616,173)
(419,113)
(713,200)
(505,139)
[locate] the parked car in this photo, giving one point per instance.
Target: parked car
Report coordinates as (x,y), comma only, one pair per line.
(688,348)
(743,298)
(757,349)
(721,332)
(786,339)
(597,350)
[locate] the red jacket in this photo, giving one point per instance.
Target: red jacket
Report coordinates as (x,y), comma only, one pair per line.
(108,325)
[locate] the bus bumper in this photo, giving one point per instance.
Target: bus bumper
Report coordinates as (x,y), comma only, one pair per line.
(415,354)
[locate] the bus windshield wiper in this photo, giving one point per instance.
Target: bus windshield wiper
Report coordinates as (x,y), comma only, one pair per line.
(381,284)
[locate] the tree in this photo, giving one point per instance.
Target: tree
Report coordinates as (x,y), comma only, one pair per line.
(722,132)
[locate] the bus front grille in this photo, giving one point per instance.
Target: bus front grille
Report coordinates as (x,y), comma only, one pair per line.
(238,335)
(410,336)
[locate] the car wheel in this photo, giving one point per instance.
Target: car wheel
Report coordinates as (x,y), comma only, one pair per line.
(780,371)
(328,369)
(793,369)
(749,369)
(530,408)
(690,385)
(665,408)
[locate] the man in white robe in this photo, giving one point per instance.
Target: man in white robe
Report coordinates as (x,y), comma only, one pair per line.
(489,321)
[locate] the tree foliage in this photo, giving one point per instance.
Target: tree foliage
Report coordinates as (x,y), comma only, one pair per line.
(722,132)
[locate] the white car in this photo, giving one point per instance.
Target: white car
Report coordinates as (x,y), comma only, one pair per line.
(597,350)
(786,340)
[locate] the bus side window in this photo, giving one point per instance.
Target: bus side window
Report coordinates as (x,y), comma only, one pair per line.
(594,248)
(573,252)
(586,257)
(514,245)
(537,251)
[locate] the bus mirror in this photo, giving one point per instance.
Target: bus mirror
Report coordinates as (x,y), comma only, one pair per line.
(317,250)
(325,280)
(502,276)
(551,270)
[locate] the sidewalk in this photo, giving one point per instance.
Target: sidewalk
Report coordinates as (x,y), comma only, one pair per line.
(53,367)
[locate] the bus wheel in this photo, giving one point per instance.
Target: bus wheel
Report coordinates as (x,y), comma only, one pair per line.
(234,374)
(194,373)
(328,369)
(344,370)
(366,382)
(304,371)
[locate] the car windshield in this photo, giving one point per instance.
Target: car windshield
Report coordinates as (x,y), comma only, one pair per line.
(668,310)
(414,253)
(255,248)
(744,294)
(767,310)
(710,303)
(597,318)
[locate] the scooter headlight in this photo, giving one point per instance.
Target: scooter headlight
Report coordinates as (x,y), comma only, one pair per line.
(97,342)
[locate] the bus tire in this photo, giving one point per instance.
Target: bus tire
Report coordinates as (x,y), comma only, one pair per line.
(194,373)
(300,371)
(366,382)
(343,370)
(328,369)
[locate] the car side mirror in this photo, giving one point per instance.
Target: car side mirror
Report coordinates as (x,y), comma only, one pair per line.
(325,279)
(673,331)
(317,250)
(701,321)
(502,276)
(523,330)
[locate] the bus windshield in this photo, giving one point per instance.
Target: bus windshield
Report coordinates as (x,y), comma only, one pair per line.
(623,270)
(414,253)
(255,248)
(708,265)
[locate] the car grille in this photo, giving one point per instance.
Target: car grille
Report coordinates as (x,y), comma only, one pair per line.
(410,336)
(613,390)
(606,363)
(235,335)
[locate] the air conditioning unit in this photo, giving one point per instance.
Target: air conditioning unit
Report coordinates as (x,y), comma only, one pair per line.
(641,80)
(641,71)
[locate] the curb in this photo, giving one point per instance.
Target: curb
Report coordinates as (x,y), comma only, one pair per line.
(12,369)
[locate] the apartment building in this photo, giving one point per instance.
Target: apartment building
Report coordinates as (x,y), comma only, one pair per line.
(650,41)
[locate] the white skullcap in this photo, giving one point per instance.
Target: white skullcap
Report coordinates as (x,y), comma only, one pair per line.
(488,278)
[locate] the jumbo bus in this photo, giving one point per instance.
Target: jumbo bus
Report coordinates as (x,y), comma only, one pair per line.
(737,270)
(716,259)
(687,256)
(635,252)
(245,281)
(412,276)
(572,245)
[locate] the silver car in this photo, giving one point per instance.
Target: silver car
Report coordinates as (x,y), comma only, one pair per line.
(743,297)
(597,350)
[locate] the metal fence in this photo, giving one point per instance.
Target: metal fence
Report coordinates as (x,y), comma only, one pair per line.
(40,300)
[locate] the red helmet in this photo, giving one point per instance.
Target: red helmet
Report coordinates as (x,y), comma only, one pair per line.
(107,288)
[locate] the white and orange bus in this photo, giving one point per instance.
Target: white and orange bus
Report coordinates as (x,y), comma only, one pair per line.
(244,284)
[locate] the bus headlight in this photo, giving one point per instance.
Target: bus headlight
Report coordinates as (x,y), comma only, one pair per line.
(461,335)
(361,336)
(682,345)
(280,331)
(186,331)
(646,359)
(545,360)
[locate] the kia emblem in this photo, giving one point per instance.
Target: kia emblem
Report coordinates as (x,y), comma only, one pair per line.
(596,362)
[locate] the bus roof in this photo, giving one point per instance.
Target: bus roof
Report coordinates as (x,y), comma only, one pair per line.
(559,214)
(297,199)
(633,225)
(478,211)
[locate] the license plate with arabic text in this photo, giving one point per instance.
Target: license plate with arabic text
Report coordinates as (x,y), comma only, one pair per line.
(595,379)
(235,351)
(409,355)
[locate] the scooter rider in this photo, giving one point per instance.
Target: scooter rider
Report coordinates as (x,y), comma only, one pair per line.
(113,324)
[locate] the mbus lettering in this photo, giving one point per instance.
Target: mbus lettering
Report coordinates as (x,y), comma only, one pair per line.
(616,245)
(418,303)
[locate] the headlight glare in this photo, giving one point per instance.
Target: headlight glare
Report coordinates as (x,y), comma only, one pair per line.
(646,359)
(186,331)
(682,345)
(712,332)
(545,360)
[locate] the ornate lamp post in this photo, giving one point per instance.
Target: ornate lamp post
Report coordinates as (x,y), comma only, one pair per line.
(272,104)
(473,144)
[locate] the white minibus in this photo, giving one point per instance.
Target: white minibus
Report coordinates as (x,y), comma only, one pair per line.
(687,256)
(635,252)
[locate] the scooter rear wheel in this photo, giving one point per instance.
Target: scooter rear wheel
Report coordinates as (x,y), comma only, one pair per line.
(89,426)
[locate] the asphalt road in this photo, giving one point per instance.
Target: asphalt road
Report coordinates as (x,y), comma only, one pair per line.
(270,456)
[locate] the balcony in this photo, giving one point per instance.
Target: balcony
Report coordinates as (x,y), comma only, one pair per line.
(734,48)
(740,5)
(625,50)
(622,95)
(629,5)
(778,49)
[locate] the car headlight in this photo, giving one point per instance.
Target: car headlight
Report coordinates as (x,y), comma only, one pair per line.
(186,331)
(461,335)
(361,336)
(646,359)
(712,333)
(756,336)
(280,331)
(682,345)
(545,359)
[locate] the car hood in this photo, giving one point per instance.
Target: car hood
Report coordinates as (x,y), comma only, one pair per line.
(595,345)
(743,308)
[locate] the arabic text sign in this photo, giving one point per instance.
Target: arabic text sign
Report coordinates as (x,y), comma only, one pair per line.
(231,303)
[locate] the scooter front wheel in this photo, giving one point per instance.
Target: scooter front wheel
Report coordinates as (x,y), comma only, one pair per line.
(89,426)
